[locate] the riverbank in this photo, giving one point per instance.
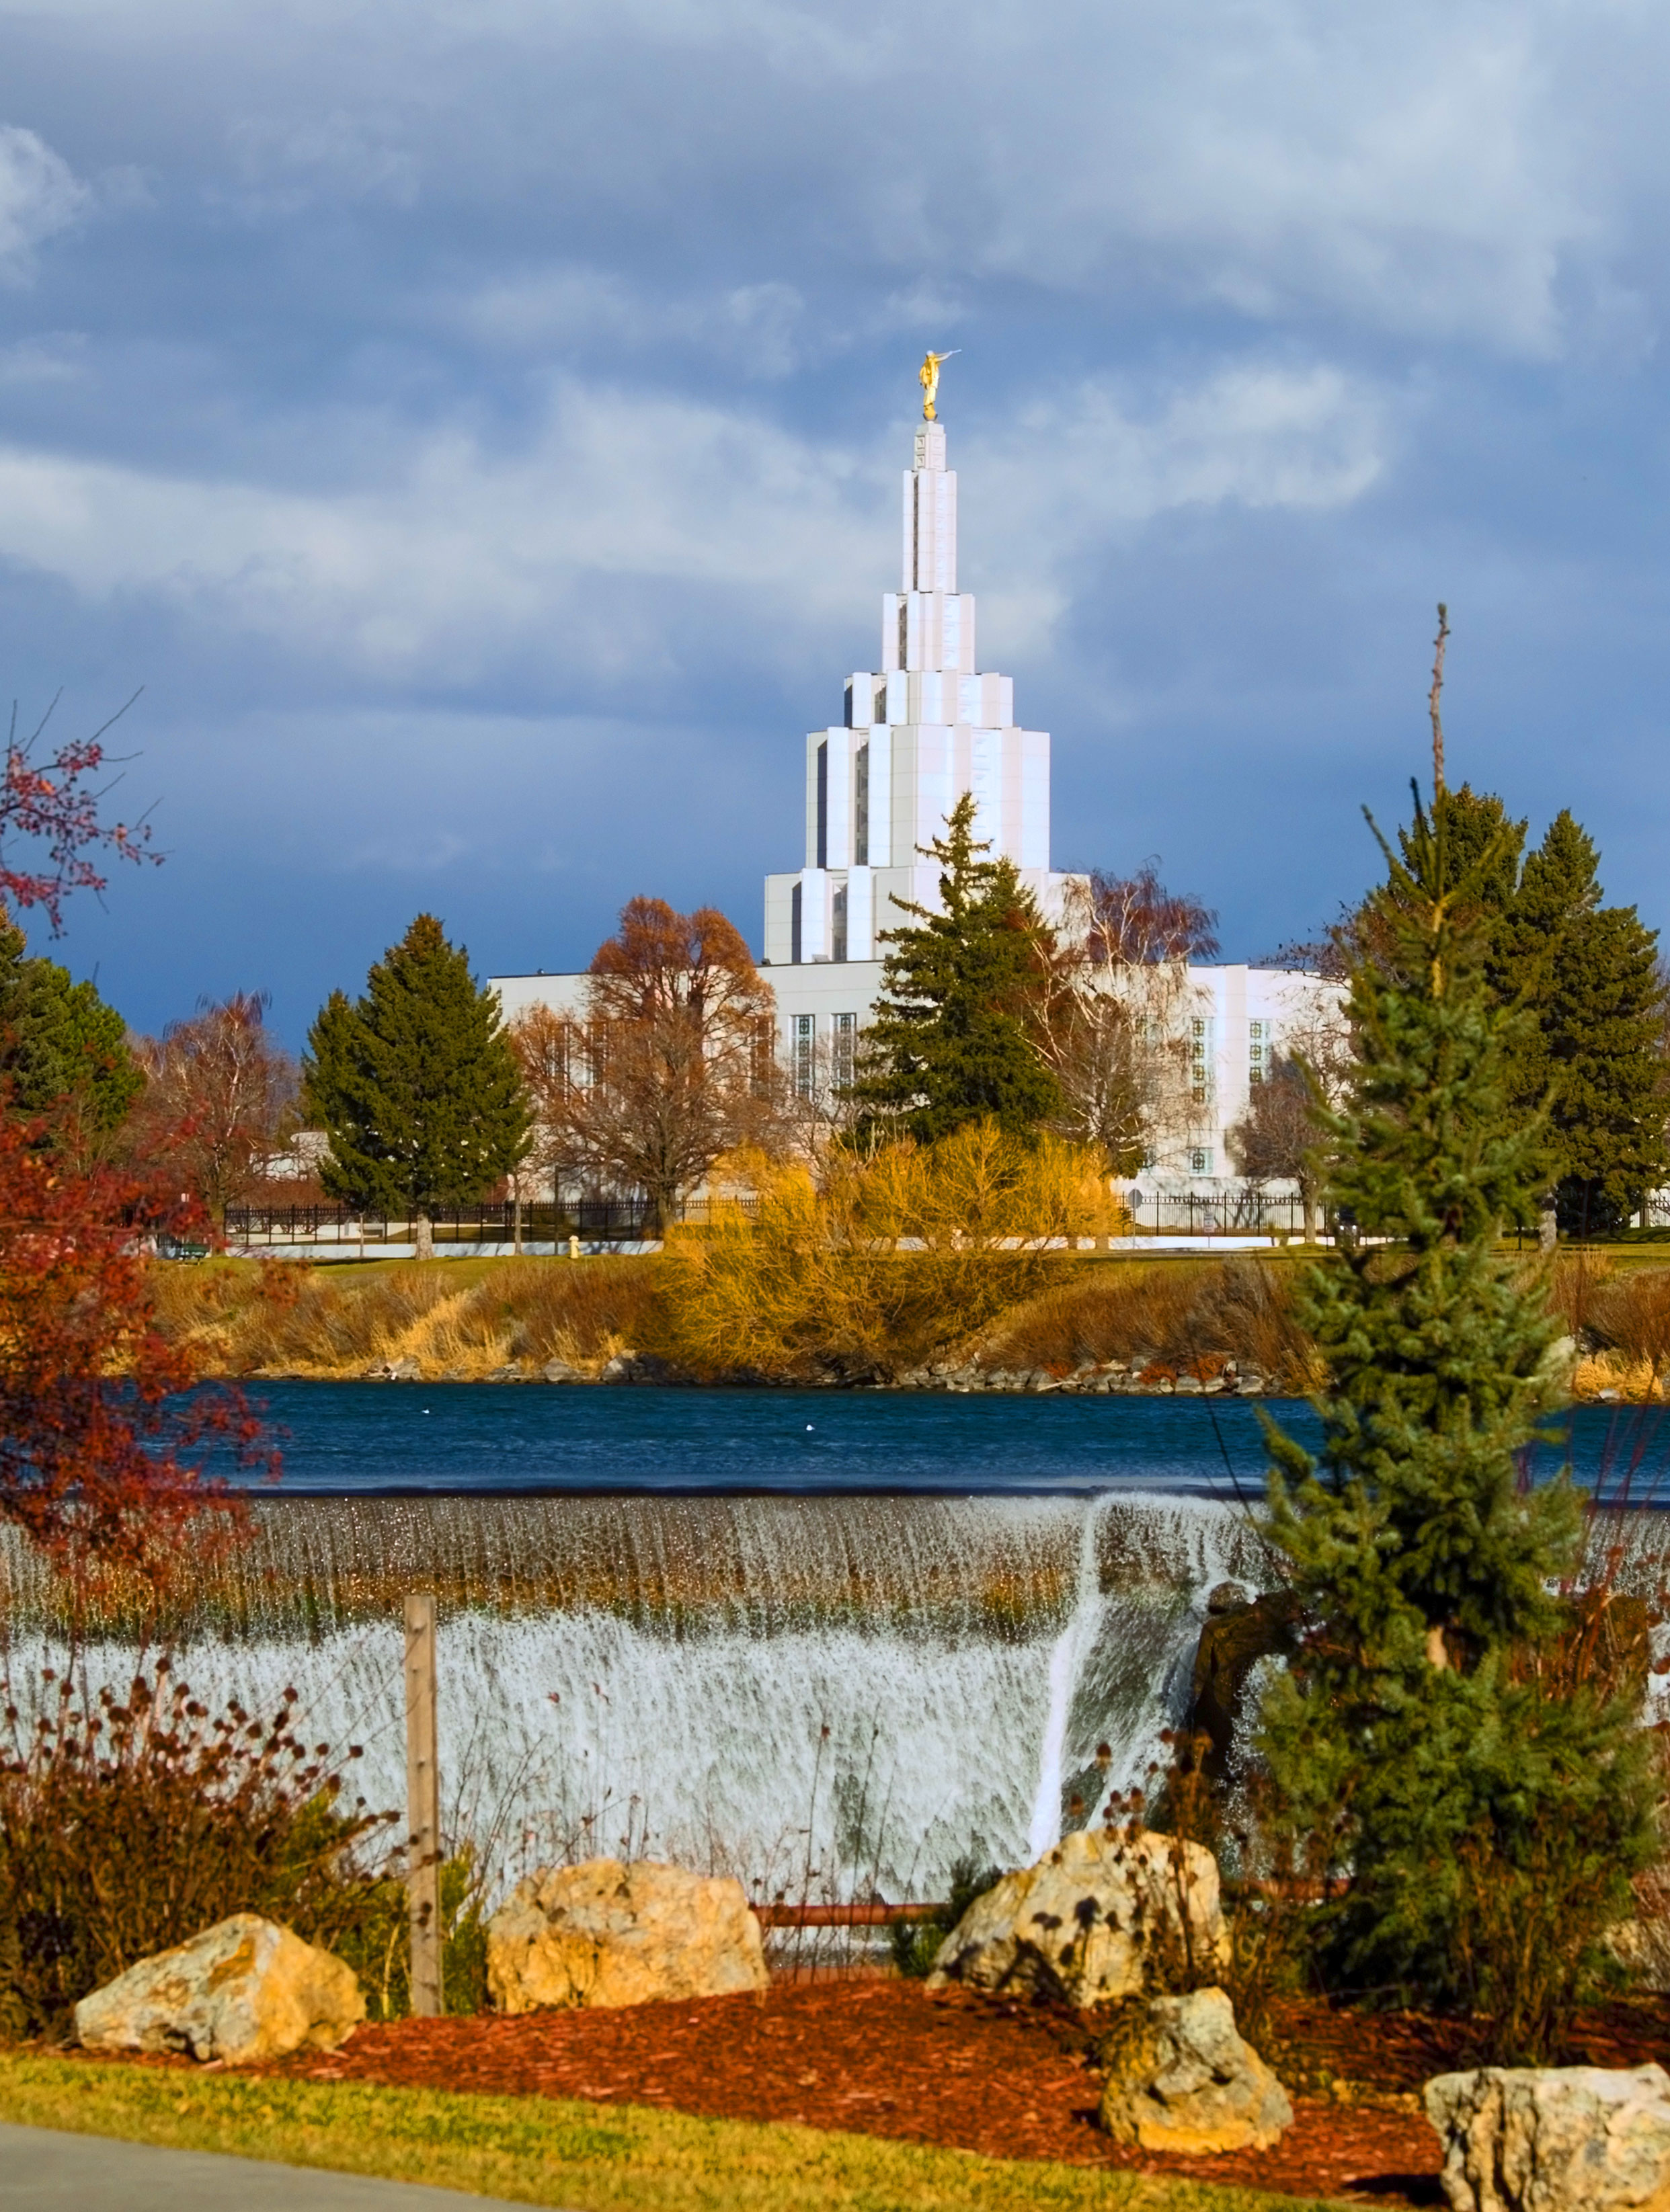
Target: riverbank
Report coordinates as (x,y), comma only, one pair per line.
(1103,1324)
(1108,1325)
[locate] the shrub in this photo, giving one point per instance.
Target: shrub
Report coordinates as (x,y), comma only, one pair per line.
(895,1256)
(1629,1311)
(916,1943)
(377,1943)
(127,1826)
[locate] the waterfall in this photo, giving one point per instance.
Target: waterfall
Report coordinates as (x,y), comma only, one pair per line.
(832,1697)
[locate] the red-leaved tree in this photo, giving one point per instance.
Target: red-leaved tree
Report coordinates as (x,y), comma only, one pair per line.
(50,805)
(103,1437)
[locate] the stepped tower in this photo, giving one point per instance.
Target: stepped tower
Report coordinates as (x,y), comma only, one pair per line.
(915,736)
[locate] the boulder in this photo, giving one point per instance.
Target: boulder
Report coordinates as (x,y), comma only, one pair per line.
(605,1933)
(558,1371)
(1183,2081)
(244,1991)
(1090,1919)
(393,1370)
(1554,2139)
(638,1367)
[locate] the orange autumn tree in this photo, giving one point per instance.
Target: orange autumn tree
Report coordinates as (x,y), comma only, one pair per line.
(673,1066)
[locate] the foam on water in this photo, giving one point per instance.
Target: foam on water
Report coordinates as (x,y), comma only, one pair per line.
(864,1688)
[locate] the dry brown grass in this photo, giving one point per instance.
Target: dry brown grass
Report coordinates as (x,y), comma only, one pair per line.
(1179,1315)
(1577,1281)
(458,1319)
(1621,1315)
(813,1310)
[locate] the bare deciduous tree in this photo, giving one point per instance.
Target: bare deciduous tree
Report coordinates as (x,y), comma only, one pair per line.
(673,1065)
(219,1093)
(1114,998)
(1279,1138)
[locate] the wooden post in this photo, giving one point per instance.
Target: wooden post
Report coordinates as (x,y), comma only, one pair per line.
(422,1807)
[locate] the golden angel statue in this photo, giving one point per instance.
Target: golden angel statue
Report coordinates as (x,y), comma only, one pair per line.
(928,378)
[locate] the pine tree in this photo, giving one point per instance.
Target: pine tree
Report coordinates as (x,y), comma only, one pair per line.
(1589,974)
(1591,1055)
(417,1085)
(64,1050)
(950,1042)
(1482,847)
(1419,1728)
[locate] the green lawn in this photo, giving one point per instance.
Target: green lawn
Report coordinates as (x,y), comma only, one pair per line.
(591,2157)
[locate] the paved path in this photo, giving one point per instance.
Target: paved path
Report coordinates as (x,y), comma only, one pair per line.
(44,2171)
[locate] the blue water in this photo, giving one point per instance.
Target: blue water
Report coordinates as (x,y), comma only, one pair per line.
(357,1438)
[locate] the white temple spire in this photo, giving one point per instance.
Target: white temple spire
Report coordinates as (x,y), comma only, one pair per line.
(917,734)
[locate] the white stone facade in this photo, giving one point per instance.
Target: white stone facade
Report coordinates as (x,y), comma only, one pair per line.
(917,735)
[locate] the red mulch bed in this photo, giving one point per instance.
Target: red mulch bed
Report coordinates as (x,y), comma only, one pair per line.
(885,2058)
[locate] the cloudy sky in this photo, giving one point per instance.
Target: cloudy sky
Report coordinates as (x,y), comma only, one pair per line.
(477,425)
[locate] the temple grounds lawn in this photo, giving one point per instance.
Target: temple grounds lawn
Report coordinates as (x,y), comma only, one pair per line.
(535,2150)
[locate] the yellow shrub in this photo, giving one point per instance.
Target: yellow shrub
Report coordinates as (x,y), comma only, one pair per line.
(890,1257)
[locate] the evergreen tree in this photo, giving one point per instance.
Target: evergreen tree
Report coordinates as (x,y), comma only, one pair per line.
(418,1084)
(1589,974)
(1482,849)
(1591,1055)
(950,1043)
(64,1050)
(1423,1726)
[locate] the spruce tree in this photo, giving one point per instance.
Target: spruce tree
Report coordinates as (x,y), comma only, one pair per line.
(63,1051)
(950,1043)
(1422,1731)
(418,1084)
(1589,974)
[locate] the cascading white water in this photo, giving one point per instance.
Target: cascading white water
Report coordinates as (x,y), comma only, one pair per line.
(1067,1659)
(828,1697)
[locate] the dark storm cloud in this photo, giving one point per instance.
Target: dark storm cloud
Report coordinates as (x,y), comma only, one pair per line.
(478,427)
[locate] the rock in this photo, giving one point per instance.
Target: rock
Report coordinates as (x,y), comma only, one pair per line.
(638,1367)
(244,1991)
(1183,2081)
(393,1370)
(1080,1923)
(605,1933)
(1642,1948)
(1554,2139)
(512,1372)
(1226,1597)
(1232,1642)
(558,1371)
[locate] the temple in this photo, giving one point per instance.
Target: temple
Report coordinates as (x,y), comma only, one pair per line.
(917,734)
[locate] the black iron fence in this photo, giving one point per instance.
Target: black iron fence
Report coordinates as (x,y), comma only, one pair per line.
(593,1220)
(1231,1210)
